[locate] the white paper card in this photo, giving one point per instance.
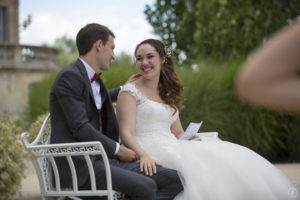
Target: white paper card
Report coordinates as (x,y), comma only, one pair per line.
(191,130)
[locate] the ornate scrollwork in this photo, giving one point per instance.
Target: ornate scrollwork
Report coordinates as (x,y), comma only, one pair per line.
(45,139)
(46,171)
(119,196)
(66,150)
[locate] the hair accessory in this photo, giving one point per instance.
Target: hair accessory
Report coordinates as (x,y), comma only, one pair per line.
(168,52)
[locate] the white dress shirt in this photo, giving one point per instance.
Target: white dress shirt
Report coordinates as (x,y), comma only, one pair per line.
(96,91)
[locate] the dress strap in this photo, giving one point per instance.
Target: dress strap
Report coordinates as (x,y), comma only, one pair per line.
(133,91)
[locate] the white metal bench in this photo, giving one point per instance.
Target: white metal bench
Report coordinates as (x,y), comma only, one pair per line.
(43,153)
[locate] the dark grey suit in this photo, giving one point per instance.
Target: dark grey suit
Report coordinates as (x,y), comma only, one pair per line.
(75,118)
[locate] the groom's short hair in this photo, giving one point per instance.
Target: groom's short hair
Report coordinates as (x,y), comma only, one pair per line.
(89,34)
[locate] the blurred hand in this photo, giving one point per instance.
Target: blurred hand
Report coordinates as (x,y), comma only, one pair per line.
(126,155)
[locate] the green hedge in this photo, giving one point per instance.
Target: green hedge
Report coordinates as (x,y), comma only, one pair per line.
(11,159)
(39,97)
(36,126)
(210,96)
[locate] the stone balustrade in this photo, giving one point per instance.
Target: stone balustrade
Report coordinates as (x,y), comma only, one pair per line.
(27,57)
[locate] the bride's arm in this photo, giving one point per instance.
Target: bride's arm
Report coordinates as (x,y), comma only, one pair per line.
(176,128)
(126,113)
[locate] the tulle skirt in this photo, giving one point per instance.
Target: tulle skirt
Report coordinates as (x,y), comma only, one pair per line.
(212,169)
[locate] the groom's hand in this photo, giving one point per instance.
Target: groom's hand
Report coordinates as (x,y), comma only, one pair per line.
(126,155)
(133,78)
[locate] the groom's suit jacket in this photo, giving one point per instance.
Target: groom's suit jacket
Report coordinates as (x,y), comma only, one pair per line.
(75,118)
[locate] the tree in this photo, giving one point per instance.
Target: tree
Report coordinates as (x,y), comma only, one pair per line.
(66,44)
(219,28)
(67,50)
(123,59)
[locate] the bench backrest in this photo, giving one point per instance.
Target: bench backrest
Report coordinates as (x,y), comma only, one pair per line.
(43,154)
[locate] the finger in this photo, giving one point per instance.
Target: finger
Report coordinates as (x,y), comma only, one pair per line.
(141,166)
(154,168)
(150,170)
(146,169)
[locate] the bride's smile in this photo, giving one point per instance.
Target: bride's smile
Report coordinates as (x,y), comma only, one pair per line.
(147,68)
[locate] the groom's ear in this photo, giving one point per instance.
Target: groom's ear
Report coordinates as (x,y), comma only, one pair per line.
(98,45)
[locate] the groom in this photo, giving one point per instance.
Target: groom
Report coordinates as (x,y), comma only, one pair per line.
(81,110)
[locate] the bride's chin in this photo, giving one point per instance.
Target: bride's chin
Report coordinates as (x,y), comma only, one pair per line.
(146,75)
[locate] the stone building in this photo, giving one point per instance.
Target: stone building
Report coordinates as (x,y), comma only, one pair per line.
(20,65)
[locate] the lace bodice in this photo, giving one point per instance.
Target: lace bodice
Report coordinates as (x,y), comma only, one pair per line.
(153,119)
(151,116)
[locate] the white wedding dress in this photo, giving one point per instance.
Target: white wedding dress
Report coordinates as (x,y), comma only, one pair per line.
(210,169)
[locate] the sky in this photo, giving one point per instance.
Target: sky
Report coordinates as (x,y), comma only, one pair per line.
(52,19)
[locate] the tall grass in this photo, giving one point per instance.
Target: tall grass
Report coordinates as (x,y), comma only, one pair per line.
(210,96)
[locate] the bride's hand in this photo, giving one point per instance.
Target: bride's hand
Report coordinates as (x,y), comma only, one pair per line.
(148,165)
(196,138)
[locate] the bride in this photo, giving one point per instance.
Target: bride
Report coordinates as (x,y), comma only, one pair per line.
(210,169)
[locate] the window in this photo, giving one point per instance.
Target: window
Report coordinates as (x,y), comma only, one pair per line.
(2,25)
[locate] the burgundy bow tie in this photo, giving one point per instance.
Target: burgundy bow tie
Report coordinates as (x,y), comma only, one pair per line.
(96,76)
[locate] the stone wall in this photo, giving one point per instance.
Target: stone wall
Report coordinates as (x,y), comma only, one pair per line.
(11,20)
(20,65)
(14,90)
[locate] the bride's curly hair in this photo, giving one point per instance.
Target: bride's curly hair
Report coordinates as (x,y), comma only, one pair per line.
(169,86)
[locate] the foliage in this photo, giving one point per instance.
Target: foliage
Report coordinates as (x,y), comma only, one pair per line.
(123,59)
(121,69)
(210,96)
(39,97)
(35,127)
(66,44)
(11,159)
(219,28)
(67,51)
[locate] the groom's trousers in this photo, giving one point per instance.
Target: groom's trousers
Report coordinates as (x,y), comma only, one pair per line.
(127,179)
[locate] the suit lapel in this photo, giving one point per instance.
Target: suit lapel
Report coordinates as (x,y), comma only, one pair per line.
(86,79)
(103,92)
